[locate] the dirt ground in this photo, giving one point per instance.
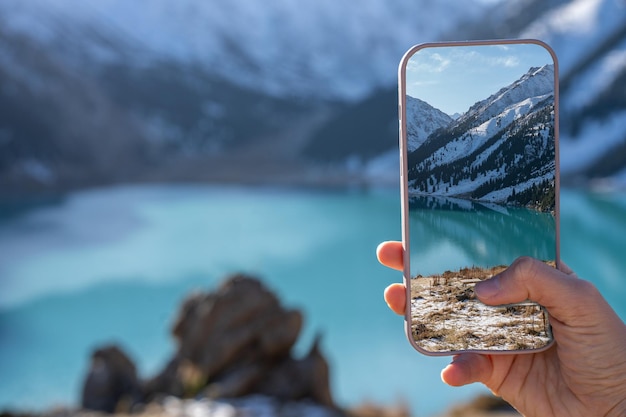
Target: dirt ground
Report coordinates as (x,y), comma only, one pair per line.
(447,316)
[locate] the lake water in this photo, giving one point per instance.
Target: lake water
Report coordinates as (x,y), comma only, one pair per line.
(112,264)
(450,234)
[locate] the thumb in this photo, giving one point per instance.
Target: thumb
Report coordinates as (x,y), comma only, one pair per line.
(533,280)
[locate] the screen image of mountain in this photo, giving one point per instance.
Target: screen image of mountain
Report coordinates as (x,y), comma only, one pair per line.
(501,150)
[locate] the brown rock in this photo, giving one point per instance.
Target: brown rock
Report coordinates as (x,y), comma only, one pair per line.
(111,383)
(306,378)
(237,341)
(241,320)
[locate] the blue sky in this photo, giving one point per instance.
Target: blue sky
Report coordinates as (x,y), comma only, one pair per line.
(453,78)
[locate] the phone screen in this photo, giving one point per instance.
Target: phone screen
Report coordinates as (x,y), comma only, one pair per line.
(480,186)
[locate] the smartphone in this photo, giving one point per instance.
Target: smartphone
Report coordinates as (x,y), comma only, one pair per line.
(480,188)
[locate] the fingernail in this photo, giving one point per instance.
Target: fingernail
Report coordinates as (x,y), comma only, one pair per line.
(488,288)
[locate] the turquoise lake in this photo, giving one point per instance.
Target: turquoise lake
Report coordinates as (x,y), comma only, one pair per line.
(450,234)
(112,264)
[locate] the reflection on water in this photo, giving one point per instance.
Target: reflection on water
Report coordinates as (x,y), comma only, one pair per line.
(449,234)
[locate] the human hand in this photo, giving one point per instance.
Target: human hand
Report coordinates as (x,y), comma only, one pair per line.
(582,374)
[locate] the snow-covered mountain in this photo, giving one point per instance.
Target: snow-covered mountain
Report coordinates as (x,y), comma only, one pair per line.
(325,48)
(501,150)
(198,90)
(191,89)
(533,86)
(589,38)
(422,119)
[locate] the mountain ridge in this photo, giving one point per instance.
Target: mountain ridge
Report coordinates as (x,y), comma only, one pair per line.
(284,49)
(319,93)
(422,120)
(494,153)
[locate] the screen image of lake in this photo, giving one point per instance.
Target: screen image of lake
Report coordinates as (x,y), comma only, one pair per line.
(454,243)
(449,233)
(112,264)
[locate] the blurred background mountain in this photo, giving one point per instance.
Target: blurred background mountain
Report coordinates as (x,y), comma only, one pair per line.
(95,92)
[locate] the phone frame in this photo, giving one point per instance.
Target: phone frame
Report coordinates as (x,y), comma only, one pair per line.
(404,180)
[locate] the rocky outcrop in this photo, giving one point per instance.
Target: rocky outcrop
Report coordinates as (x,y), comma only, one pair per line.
(233,342)
(111,383)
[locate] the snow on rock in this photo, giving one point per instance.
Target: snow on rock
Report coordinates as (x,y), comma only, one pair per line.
(535,83)
(422,119)
(600,75)
(576,27)
(578,153)
(255,405)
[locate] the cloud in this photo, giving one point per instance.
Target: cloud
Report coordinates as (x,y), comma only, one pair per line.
(506,61)
(472,58)
(434,63)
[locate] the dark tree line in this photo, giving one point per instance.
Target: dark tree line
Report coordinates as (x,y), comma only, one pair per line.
(526,155)
(540,196)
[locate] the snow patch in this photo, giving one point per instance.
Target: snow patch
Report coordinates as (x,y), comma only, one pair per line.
(577,26)
(285,48)
(383,169)
(577,154)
